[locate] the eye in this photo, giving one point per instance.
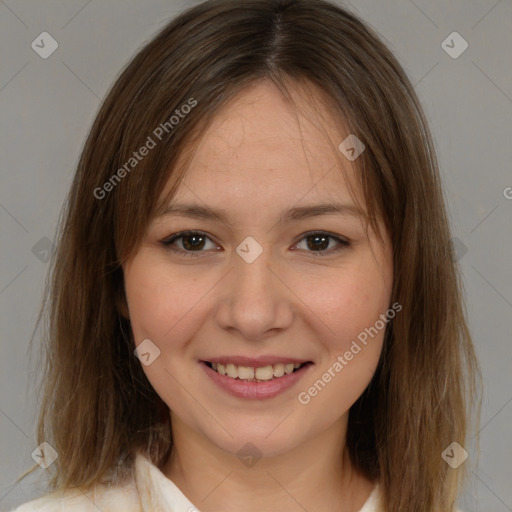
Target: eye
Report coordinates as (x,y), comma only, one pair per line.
(319,242)
(193,242)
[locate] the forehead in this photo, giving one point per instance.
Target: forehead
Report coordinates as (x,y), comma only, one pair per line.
(261,146)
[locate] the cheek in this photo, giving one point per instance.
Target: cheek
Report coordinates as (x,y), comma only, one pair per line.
(350,307)
(159,300)
(160,305)
(347,303)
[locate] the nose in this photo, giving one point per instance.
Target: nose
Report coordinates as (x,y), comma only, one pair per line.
(255,302)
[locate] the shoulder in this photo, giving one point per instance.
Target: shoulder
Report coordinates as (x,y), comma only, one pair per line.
(121,498)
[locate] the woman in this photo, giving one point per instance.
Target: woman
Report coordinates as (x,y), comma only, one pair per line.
(254,303)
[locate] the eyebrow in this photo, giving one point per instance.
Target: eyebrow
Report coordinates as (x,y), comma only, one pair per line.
(292,215)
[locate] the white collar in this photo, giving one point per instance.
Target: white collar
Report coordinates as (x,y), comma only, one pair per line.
(157,492)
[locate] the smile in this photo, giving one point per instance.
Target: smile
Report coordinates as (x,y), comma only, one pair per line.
(255,379)
(258,374)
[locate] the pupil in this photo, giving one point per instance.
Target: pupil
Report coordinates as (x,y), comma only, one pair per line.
(320,241)
(193,245)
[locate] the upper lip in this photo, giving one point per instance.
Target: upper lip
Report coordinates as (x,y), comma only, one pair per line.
(255,362)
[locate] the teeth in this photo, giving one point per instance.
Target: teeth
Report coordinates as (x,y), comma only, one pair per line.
(246,373)
(231,371)
(262,373)
(278,370)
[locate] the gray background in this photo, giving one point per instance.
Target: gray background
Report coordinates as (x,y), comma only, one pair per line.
(47,106)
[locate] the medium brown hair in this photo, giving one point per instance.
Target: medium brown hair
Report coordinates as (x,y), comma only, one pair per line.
(97,405)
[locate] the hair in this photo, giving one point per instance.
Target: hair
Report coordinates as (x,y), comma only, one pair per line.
(97,405)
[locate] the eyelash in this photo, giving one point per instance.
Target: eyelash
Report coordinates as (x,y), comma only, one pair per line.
(168,243)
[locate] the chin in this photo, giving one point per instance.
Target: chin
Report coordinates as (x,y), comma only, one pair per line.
(265,439)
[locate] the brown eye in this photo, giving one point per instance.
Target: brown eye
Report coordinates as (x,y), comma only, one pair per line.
(188,242)
(191,242)
(319,242)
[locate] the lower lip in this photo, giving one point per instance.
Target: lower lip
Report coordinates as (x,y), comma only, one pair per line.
(255,390)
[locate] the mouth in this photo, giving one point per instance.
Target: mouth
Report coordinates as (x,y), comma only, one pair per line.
(257,378)
(255,373)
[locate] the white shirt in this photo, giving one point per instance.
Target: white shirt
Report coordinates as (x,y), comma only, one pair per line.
(149,490)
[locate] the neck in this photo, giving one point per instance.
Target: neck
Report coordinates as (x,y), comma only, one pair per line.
(317,475)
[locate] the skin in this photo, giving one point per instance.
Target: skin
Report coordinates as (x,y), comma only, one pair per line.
(255,162)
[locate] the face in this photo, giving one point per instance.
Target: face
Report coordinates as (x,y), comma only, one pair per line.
(274,294)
